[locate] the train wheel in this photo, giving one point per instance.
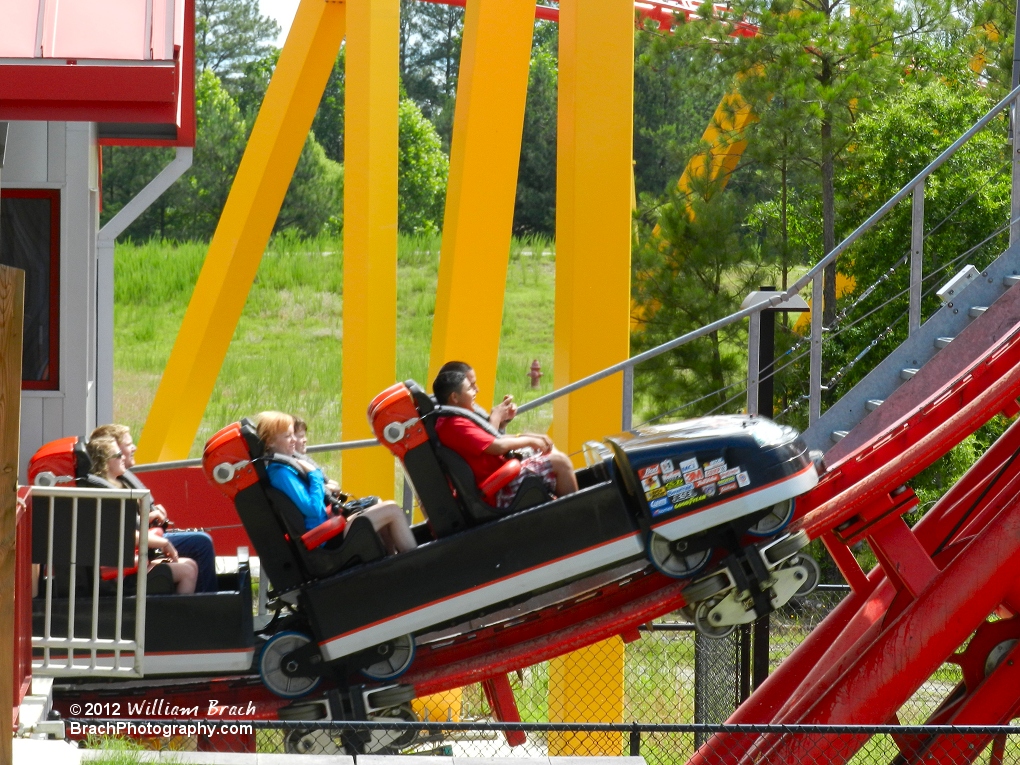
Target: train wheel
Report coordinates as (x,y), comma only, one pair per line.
(703,621)
(394,658)
(778,517)
(273,671)
(391,697)
(814,574)
(312,742)
(672,559)
(392,742)
(706,588)
(784,548)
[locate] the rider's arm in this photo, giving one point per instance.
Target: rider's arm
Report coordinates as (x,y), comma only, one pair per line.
(505,444)
(309,499)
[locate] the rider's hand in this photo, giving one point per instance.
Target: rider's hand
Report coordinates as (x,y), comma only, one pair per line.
(504,411)
(541,442)
(157,515)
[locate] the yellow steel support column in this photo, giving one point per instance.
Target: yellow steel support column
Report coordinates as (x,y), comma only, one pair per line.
(593,240)
(492,89)
(247,221)
(370,231)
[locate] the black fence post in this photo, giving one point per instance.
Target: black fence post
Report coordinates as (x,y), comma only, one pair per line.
(635,740)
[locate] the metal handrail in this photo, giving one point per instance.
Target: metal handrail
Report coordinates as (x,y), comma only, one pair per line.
(915,185)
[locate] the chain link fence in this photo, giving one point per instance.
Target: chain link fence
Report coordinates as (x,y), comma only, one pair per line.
(676,685)
(723,744)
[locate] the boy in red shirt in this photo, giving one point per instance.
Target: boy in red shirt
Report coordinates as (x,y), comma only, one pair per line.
(485,452)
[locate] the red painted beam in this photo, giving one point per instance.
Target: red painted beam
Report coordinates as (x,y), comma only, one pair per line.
(877,684)
(90,93)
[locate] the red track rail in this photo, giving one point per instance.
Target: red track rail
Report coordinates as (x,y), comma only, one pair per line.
(935,587)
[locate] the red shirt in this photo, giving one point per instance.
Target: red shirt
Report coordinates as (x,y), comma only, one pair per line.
(470,442)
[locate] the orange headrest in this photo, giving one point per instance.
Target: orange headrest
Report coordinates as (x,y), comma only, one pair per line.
(227,461)
(395,420)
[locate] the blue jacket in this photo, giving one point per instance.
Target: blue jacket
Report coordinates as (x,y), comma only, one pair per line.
(305,491)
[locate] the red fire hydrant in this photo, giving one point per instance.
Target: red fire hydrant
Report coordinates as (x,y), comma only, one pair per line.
(536,373)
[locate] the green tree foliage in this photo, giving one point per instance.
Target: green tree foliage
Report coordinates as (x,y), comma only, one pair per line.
(535,210)
(430,40)
(191,208)
(966,201)
(692,271)
(423,168)
(328,124)
(672,105)
(230,34)
(812,70)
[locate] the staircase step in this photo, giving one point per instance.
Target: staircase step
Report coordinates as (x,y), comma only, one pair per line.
(942,342)
(873,404)
(839,435)
(907,374)
(1009,281)
(976,310)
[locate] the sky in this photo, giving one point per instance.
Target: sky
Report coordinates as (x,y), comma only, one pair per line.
(283,12)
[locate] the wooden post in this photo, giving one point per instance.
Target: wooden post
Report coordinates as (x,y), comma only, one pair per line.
(12,310)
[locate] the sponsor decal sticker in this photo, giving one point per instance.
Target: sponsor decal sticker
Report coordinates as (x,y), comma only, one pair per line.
(661,502)
(692,476)
(730,472)
(688,466)
(714,470)
(667,466)
(743,479)
(719,463)
(728,487)
(689,501)
(655,493)
(650,483)
(702,483)
(709,490)
(681,492)
(648,471)
(675,484)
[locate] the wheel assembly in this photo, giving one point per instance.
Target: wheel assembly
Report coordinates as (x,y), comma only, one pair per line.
(986,650)
(391,659)
(775,521)
(672,558)
(312,742)
(706,588)
(704,621)
(277,672)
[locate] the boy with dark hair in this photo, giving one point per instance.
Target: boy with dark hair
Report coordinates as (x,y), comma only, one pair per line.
(486,453)
(501,413)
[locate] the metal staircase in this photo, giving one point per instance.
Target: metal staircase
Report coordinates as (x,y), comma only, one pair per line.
(967,302)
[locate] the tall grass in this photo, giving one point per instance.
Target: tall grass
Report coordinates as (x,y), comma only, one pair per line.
(286,351)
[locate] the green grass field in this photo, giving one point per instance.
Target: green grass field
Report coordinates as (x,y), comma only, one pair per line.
(286,352)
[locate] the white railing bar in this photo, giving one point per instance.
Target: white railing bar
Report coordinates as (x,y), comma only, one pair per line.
(96,579)
(118,614)
(88,493)
(141,583)
(815,373)
(48,616)
(916,257)
(72,583)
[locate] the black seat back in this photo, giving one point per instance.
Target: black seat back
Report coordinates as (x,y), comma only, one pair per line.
(299,563)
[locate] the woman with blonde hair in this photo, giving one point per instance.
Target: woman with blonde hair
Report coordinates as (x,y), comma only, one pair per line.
(108,464)
(305,485)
